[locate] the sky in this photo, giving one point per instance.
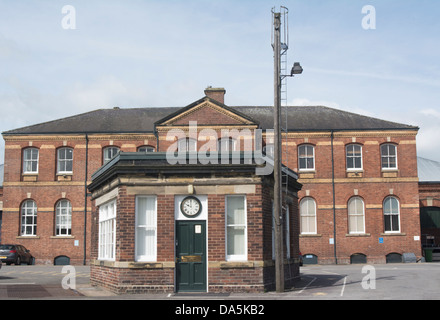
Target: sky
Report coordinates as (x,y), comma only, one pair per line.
(60,58)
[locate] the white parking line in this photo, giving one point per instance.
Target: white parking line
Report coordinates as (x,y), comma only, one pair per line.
(314,278)
(343,286)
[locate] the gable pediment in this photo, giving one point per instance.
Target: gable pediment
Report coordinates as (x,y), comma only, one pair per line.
(206,112)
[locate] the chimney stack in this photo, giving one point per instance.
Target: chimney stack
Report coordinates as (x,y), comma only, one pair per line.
(217,94)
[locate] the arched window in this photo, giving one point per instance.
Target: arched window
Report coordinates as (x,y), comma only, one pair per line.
(29,218)
(306,157)
(63,218)
(356,215)
(391,213)
(307,211)
(108,153)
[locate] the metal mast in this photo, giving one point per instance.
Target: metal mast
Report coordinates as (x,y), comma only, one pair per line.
(277,212)
(280,46)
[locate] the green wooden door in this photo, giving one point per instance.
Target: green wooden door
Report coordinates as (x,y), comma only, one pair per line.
(190,256)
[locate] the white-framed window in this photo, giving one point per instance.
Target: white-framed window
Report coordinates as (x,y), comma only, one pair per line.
(146,149)
(388,154)
(187,144)
(108,153)
(306,157)
(307,210)
(107,231)
(356,215)
(65,160)
(236,228)
(354,156)
(63,218)
(30,160)
(391,213)
(29,218)
(146,228)
(227,144)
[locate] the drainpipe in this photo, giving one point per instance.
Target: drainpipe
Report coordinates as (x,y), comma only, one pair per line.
(85,199)
(334,199)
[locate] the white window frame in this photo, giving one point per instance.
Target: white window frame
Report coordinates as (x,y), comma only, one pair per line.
(63,218)
(307,214)
(354,168)
(227,144)
(151,256)
(30,161)
(147,149)
(108,153)
(236,257)
(28,218)
(388,157)
(64,160)
(187,145)
(107,231)
(356,215)
(391,214)
(306,157)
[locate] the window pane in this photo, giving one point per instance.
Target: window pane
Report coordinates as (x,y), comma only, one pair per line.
(235,210)
(236,227)
(236,240)
(146,229)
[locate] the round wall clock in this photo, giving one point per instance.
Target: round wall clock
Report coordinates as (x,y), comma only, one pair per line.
(191,207)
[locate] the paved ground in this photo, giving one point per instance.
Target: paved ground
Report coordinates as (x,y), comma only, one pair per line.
(419,281)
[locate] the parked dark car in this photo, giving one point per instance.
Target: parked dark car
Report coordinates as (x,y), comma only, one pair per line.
(15,253)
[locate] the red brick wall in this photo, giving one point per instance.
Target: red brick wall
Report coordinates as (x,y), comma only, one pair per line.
(45,189)
(221,276)
(372,186)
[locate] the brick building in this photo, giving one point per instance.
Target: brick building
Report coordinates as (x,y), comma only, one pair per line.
(359,200)
(159,241)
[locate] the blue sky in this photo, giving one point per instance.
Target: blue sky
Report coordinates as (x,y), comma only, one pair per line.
(145,53)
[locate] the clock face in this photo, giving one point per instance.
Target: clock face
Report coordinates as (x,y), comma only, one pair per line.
(191,207)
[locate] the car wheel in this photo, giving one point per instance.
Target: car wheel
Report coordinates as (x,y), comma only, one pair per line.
(31,261)
(18,261)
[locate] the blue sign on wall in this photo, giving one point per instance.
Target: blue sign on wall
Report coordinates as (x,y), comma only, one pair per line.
(380,240)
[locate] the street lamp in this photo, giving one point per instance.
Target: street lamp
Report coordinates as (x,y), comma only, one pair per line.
(296,69)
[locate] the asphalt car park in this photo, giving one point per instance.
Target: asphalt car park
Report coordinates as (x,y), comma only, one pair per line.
(400,281)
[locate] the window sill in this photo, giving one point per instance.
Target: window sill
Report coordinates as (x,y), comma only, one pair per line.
(236,265)
(393,234)
(390,173)
(305,174)
(355,174)
(64,176)
(62,237)
(133,264)
(29,177)
(27,237)
(311,235)
(358,235)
